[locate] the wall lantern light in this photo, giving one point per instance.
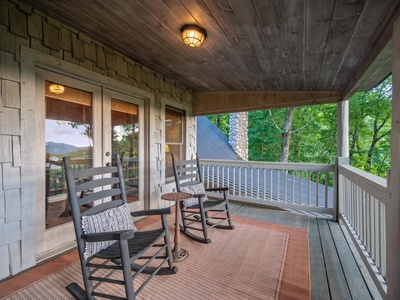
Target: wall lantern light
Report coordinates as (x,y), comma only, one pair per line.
(57,89)
(193,35)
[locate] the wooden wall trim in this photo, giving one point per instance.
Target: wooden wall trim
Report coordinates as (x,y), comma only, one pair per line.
(208,103)
(28,186)
(393,207)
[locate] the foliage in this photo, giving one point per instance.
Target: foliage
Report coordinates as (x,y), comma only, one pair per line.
(221,121)
(313,134)
(370,125)
(126,140)
(81,153)
(314,131)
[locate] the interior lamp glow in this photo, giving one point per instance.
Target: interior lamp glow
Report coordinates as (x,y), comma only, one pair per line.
(57,89)
(193,35)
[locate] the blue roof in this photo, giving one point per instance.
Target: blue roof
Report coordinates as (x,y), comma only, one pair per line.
(212,142)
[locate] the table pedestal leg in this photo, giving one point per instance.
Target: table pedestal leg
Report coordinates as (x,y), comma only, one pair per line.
(178,252)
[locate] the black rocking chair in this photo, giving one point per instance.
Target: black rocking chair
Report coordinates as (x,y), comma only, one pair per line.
(199,213)
(111,251)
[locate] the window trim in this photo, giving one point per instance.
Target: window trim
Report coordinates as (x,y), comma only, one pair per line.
(182,144)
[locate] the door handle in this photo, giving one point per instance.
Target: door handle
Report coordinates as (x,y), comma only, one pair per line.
(108,164)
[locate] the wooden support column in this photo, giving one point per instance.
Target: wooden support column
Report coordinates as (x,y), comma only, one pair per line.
(393,207)
(343,128)
(342,151)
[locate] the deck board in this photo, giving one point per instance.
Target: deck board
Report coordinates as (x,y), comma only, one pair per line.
(336,278)
(335,270)
(350,268)
(271,215)
(319,280)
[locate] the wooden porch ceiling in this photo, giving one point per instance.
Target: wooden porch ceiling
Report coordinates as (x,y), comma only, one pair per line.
(273,48)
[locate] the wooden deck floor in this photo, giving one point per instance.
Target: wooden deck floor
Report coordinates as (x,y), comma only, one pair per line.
(336,272)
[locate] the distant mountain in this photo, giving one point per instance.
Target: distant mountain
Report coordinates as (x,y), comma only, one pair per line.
(60,148)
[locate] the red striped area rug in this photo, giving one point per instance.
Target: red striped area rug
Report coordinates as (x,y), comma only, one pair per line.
(256,260)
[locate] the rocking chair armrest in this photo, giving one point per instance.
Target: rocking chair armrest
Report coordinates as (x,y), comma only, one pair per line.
(149,212)
(219,189)
(200,196)
(108,236)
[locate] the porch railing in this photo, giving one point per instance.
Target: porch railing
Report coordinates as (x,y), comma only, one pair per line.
(287,185)
(363,199)
(55,179)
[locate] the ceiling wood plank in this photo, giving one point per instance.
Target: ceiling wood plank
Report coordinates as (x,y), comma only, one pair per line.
(369,22)
(292,13)
(223,12)
(344,20)
(271,23)
(379,48)
(246,16)
(377,72)
(318,22)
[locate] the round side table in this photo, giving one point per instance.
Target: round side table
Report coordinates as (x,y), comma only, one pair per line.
(178,252)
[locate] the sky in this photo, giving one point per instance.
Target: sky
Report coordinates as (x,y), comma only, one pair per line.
(64,133)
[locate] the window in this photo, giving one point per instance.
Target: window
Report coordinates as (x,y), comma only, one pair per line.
(174,139)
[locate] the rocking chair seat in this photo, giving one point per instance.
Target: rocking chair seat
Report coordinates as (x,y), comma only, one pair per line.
(208,203)
(137,244)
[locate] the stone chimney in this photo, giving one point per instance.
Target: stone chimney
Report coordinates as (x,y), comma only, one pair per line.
(238,134)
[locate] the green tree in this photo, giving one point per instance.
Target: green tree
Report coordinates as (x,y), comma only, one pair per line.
(370,125)
(313,134)
(264,134)
(221,121)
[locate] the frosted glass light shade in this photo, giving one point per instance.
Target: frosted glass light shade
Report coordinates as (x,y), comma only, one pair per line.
(57,89)
(193,35)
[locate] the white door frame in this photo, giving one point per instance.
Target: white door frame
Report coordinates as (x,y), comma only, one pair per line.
(109,94)
(59,238)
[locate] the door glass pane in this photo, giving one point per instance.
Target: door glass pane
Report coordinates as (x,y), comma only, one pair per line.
(68,131)
(125,142)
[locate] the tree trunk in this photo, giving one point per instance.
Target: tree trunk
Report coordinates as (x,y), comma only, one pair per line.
(287,134)
(219,121)
(354,141)
(375,139)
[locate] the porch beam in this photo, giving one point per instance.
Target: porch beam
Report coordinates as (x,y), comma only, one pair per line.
(208,103)
(377,60)
(393,207)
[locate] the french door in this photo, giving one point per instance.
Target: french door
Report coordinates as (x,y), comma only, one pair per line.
(90,124)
